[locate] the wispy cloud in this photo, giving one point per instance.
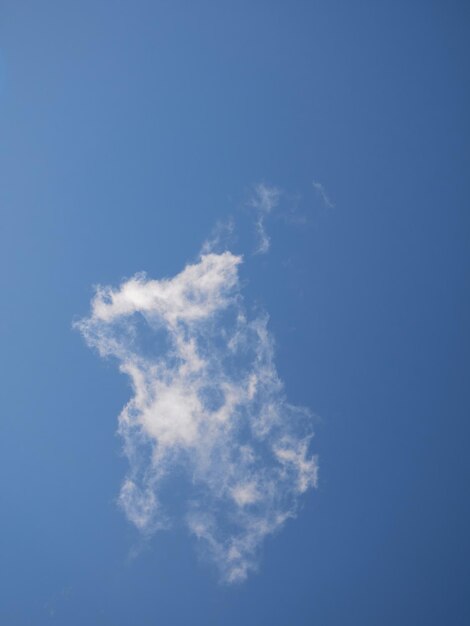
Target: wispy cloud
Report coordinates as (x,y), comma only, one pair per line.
(207,400)
(264,200)
(321,191)
(220,237)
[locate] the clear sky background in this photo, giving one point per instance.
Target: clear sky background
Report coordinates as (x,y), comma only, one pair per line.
(127,130)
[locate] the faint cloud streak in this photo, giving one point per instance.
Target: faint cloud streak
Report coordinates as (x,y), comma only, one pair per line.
(264,200)
(320,189)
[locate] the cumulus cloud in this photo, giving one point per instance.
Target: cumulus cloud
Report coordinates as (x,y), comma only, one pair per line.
(207,409)
(264,200)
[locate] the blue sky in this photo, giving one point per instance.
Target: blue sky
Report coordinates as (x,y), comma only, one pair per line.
(128,132)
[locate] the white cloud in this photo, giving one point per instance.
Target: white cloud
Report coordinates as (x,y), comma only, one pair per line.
(207,400)
(320,189)
(221,236)
(263,200)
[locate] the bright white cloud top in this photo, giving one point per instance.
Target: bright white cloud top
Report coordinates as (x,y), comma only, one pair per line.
(207,403)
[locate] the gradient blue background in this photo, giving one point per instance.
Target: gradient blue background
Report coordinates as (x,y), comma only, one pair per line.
(127,129)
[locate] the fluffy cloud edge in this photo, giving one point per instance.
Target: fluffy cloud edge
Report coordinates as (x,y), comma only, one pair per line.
(210,402)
